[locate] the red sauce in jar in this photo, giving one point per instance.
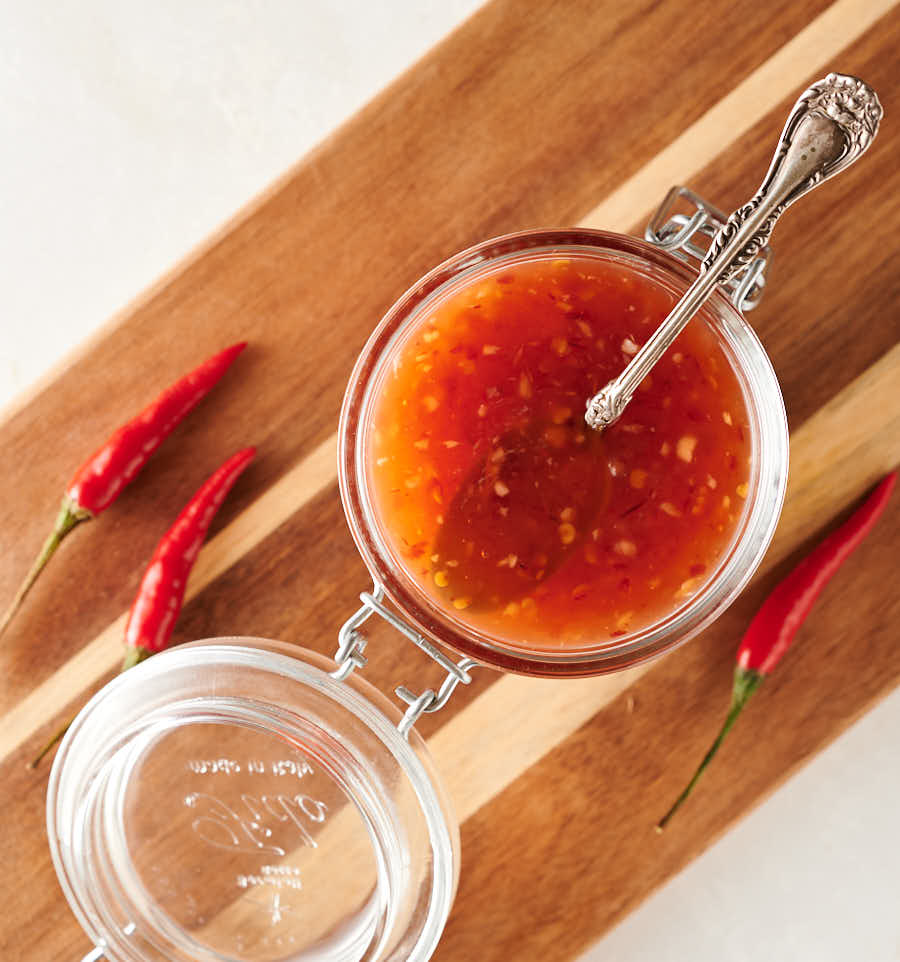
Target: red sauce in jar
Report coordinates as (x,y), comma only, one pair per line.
(505,508)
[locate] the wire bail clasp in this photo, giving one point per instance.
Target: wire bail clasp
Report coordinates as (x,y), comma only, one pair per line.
(349,656)
(681,233)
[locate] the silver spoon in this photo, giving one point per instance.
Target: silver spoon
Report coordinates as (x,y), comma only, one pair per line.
(831,125)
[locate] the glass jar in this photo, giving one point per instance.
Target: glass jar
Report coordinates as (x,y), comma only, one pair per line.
(766,484)
(243,800)
(233,799)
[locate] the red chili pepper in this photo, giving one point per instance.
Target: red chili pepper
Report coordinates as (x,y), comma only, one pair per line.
(100,480)
(161,593)
(160,596)
(776,623)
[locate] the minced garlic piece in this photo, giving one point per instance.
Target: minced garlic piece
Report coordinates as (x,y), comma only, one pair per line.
(685,448)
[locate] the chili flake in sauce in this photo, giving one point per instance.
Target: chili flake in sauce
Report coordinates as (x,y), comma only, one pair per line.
(479,425)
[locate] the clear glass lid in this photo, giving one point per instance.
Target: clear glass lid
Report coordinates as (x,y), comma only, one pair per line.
(233,800)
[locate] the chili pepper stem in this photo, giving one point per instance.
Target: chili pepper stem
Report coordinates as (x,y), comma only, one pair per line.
(56,737)
(70,515)
(134,657)
(746,682)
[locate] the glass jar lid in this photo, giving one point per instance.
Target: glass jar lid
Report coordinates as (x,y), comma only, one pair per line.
(233,800)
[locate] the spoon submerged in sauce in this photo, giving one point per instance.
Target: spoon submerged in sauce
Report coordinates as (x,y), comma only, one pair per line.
(519,513)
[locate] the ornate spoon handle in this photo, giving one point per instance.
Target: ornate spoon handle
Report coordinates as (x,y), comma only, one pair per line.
(831,125)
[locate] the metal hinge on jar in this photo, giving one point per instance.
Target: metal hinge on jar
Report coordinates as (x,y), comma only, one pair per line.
(687,235)
(349,656)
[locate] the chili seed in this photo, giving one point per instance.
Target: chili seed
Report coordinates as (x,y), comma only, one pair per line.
(555,435)
(637,478)
(440,579)
(566,533)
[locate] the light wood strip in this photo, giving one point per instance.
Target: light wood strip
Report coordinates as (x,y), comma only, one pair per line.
(783,73)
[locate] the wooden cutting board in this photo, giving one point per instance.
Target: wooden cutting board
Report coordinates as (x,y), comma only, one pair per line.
(531,114)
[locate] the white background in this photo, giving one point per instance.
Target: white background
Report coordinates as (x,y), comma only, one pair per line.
(128,132)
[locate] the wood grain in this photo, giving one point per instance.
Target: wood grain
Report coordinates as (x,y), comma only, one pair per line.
(735,113)
(513,121)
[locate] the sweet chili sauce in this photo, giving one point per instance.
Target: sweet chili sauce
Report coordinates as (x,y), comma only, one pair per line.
(504,507)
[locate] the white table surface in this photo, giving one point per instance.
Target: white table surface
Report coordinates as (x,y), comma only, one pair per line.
(130,131)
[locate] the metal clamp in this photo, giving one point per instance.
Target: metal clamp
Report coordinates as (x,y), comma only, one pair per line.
(349,656)
(678,233)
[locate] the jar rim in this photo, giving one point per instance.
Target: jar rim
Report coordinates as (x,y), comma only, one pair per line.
(762,506)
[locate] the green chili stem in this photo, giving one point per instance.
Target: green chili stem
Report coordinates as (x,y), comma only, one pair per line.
(69,516)
(745,683)
(133,657)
